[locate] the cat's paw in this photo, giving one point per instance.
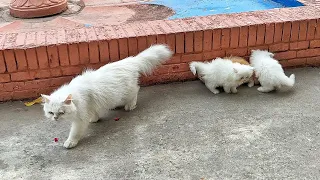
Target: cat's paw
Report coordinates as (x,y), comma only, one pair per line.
(70,143)
(215,91)
(265,89)
(251,84)
(93,120)
(234,91)
(129,107)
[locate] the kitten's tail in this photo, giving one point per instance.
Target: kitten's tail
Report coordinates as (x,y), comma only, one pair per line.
(196,67)
(155,55)
(287,82)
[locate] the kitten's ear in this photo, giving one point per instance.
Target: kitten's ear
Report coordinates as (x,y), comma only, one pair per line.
(235,70)
(45,98)
(68,100)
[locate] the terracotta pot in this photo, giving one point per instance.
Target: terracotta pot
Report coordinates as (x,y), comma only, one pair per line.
(36,8)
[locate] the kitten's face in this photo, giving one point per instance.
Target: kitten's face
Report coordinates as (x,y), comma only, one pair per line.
(56,109)
(243,74)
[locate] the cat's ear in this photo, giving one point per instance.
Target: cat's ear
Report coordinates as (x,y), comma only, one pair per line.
(45,98)
(68,100)
(235,70)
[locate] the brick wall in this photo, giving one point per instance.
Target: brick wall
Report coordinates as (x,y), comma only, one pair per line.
(39,62)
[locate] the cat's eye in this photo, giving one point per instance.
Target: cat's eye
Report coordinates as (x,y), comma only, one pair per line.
(60,113)
(51,113)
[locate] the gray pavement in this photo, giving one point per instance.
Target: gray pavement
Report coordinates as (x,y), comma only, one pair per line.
(178,131)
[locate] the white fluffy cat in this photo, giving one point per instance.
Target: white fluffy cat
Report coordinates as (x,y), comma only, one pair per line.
(220,72)
(90,96)
(269,72)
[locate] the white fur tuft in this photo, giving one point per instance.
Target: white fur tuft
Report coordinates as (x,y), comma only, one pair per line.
(148,59)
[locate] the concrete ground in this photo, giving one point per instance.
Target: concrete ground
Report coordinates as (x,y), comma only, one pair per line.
(178,131)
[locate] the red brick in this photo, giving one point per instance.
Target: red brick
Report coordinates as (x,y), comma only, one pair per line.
(10,41)
(161,70)
(16,95)
(258,48)
(37,84)
(284,63)
(31,39)
(51,37)
(151,40)
(4,78)
(237,52)
(286,32)
(32,58)
(133,46)
(71,70)
(297,62)
(207,40)
(114,50)
(311,29)
(213,54)
(41,38)
(225,38)
(299,45)
(244,34)
(161,39)
(261,33)
(317,34)
(21,76)
(198,41)
(235,34)
(309,52)
(60,81)
(252,40)
(278,30)
(21,59)
(53,56)
(182,67)
(74,54)
(279,47)
(104,51)
(142,43)
(42,57)
(174,60)
(216,41)
(313,61)
(286,55)
(61,34)
(10,60)
(84,53)
(123,48)
(189,42)
(13,86)
(93,52)
(314,43)
(91,34)
(269,33)
(180,43)
(191,57)
(39,74)
(303,30)
(5,96)
(56,72)
(295,31)
(2,63)
(63,55)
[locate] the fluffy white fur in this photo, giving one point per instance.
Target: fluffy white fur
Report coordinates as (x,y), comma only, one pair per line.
(220,72)
(89,96)
(269,72)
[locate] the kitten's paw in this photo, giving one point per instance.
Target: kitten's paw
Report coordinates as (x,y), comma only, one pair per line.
(264,89)
(234,91)
(129,107)
(251,84)
(215,91)
(70,143)
(93,120)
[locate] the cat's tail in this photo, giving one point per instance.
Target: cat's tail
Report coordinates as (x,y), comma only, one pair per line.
(287,82)
(148,59)
(196,67)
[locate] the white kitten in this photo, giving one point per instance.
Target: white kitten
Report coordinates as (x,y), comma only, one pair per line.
(269,72)
(223,73)
(89,96)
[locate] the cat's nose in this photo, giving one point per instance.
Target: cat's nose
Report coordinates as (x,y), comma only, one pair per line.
(55,118)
